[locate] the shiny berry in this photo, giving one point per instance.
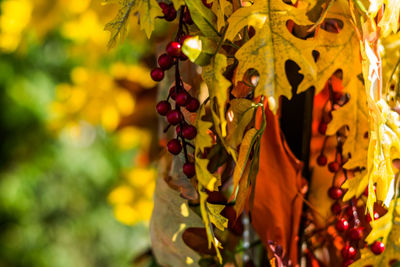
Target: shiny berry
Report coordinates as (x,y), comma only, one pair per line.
(193,104)
(174,117)
(174,49)
(333,166)
(377,247)
(347,263)
(336,208)
(172,92)
(189,132)
(349,252)
(178,129)
(323,126)
(169,12)
(349,212)
(163,107)
(157,74)
(342,225)
(376,216)
(355,234)
(208,5)
(174,146)
(335,192)
(183,57)
(322,160)
(189,169)
(165,61)
(182,98)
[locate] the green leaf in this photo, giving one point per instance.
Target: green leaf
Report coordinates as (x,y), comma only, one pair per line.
(202,17)
(148,11)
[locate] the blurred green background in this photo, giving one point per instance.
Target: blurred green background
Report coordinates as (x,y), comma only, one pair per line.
(76,178)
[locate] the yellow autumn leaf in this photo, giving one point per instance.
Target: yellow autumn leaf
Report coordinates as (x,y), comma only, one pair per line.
(354,114)
(271,46)
(390,20)
(244,153)
(221,8)
(148,11)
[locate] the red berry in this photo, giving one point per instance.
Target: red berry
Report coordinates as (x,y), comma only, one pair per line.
(193,104)
(165,61)
(335,192)
(182,98)
(333,166)
(189,170)
(349,212)
(355,234)
(349,252)
(323,126)
(347,263)
(342,225)
(189,132)
(163,5)
(376,216)
(174,146)
(183,57)
(157,74)
(187,18)
(208,5)
(174,117)
(174,49)
(336,208)
(178,129)
(169,12)
(377,247)
(163,107)
(172,92)
(322,160)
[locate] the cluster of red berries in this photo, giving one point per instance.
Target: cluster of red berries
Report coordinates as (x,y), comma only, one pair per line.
(181,98)
(354,234)
(184,130)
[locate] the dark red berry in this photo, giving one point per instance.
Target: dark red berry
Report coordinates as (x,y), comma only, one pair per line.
(178,129)
(335,192)
(193,104)
(349,212)
(355,234)
(165,61)
(333,166)
(169,12)
(189,170)
(172,92)
(377,247)
(189,132)
(163,5)
(208,5)
(157,74)
(349,252)
(183,57)
(376,216)
(182,98)
(187,18)
(174,146)
(347,263)
(163,107)
(342,225)
(323,126)
(322,160)
(174,49)
(174,117)
(336,208)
